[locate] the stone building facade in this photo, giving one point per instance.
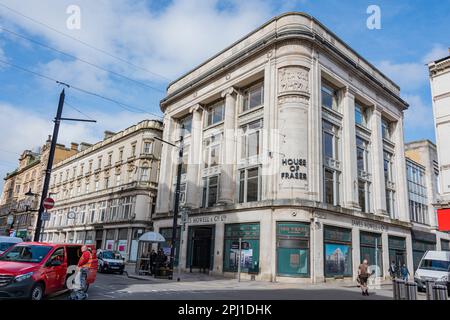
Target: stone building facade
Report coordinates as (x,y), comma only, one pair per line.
(440,92)
(422,169)
(294,145)
(105,194)
(28,177)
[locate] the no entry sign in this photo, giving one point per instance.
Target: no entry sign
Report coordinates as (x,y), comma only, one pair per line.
(49,203)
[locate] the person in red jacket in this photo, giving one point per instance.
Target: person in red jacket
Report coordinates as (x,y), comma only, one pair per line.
(83,267)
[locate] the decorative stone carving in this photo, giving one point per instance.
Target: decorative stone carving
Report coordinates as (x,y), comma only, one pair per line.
(294,79)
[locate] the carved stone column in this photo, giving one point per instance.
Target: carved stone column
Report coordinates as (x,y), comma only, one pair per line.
(293,112)
(193,183)
(349,167)
(379,190)
(228,155)
(402,210)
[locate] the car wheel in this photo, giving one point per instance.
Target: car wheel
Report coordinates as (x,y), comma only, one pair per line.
(37,293)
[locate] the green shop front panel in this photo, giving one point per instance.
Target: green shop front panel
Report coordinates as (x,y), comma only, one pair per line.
(249,234)
(293,249)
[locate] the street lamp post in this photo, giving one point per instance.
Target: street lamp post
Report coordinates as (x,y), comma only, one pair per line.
(177,198)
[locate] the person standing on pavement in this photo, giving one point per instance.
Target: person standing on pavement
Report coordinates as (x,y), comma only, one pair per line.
(83,267)
(393,270)
(153,257)
(404,272)
(363,276)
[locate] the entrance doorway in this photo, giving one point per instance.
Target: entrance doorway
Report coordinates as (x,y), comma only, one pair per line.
(201,248)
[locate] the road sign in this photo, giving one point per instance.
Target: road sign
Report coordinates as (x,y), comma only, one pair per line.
(45,216)
(49,203)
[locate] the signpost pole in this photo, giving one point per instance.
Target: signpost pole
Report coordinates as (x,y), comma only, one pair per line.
(240,257)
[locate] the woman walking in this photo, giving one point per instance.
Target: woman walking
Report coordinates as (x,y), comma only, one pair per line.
(363,276)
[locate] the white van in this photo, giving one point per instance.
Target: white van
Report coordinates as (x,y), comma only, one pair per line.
(434,266)
(8,242)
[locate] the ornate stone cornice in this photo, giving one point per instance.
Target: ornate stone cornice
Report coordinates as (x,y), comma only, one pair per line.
(298,30)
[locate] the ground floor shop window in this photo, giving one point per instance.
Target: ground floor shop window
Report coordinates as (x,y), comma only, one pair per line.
(81,236)
(338,252)
(397,251)
(98,239)
(249,235)
(419,249)
(445,245)
(122,243)
(293,249)
(110,240)
(372,250)
(166,246)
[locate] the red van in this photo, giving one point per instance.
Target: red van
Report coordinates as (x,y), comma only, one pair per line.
(32,270)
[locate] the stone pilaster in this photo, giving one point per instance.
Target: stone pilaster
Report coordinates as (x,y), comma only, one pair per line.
(379,190)
(193,184)
(167,165)
(349,165)
(227,185)
(401,191)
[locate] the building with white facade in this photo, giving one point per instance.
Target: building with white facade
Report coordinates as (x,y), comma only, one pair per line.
(294,145)
(105,194)
(422,171)
(440,92)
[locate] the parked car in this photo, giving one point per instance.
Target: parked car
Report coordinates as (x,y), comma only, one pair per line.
(110,261)
(434,266)
(8,242)
(33,270)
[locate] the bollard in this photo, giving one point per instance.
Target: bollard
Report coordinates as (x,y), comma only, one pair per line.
(429,289)
(411,291)
(401,289)
(439,292)
(395,289)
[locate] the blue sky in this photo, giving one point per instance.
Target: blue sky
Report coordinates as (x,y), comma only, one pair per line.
(167,38)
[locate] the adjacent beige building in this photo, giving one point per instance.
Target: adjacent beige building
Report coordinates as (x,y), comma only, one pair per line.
(105,194)
(28,177)
(294,145)
(422,169)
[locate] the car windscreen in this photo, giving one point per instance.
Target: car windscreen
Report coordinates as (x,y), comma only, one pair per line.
(5,245)
(30,254)
(109,255)
(435,265)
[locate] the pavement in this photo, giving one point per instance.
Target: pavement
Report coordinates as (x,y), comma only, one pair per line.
(198,286)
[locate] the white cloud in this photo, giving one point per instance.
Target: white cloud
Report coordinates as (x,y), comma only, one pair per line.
(22,129)
(408,76)
(438,52)
(412,75)
(419,115)
(167,42)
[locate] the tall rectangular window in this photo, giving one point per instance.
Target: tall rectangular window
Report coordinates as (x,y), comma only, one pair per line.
(253,97)
(417,192)
(331,163)
(210,191)
(364,177)
(187,124)
(251,139)
(147,147)
(211,147)
(216,113)
(249,184)
(386,128)
(330,97)
(361,114)
(389,183)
